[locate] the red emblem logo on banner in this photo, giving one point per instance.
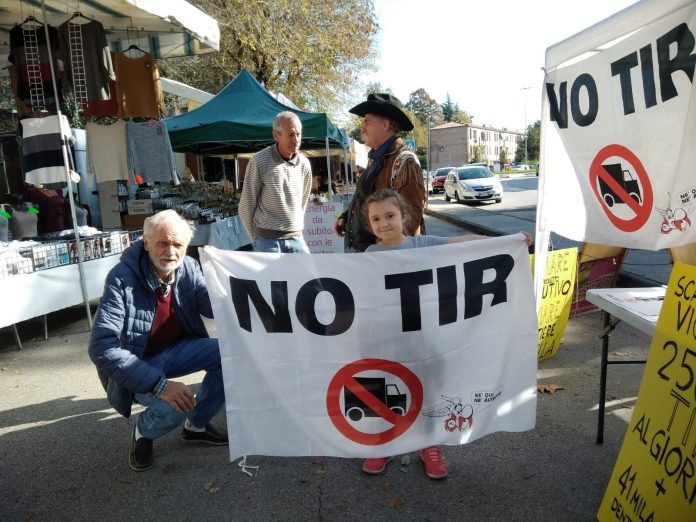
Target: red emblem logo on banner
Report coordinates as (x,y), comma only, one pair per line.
(374,397)
(614,184)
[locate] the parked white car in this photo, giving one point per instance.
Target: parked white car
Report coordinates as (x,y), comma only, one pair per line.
(473,183)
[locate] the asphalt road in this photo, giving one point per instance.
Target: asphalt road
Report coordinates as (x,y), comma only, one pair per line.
(63,450)
(517,212)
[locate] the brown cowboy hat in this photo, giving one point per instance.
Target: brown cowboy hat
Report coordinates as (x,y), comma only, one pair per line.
(385,105)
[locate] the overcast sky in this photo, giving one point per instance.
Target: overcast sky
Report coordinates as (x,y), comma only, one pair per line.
(482,52)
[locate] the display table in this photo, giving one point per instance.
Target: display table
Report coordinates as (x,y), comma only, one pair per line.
(39,293)
(228,234)
(639,307)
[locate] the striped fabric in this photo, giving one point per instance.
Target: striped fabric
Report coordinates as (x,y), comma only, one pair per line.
(41,149)
(275,194)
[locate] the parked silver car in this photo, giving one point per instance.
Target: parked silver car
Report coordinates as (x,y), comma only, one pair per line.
(473,183)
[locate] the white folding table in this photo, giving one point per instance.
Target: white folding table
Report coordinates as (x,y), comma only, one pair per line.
(45,291)
(638,307)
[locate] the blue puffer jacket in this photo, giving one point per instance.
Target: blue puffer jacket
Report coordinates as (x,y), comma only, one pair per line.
(124,319)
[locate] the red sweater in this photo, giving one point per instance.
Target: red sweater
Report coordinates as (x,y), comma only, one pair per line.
(166,326)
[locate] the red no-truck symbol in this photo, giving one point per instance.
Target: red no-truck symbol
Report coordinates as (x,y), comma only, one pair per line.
(613,185)
(362,392)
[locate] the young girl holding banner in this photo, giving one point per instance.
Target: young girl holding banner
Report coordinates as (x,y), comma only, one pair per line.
(388,214)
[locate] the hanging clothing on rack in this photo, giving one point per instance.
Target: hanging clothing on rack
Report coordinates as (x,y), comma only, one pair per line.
(29,53)
(87,59)
(138,90)
(42,153)
(22,109)
(150,154)
(109,107)
(107,152)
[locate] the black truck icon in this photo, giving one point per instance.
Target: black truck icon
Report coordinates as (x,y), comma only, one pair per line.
(387,394)
(624,178)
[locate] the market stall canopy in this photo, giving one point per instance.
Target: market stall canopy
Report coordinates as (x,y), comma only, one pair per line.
(171,28)
(240,119)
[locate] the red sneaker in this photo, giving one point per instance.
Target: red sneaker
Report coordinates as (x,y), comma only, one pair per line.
(435,465)
(375,466)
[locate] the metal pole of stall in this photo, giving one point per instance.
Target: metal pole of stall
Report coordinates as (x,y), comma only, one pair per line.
(3,171)
(63,146)
(353,159)
(328,167)
(345,158)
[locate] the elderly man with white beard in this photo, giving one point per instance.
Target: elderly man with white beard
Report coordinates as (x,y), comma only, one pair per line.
(148,331)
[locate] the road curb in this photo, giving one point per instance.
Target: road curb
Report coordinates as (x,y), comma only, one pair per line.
(469,225)
(625,279)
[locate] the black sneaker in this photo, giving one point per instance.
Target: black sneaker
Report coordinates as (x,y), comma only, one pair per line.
(140,457)
(211,435)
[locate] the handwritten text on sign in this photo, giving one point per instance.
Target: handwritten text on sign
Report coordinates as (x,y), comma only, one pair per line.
(655,474)
(556,298)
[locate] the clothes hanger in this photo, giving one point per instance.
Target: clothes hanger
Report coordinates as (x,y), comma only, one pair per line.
(78,14)
(134,47)
(31,20)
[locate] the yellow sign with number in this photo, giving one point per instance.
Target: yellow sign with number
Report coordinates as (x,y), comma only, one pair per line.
(654,477)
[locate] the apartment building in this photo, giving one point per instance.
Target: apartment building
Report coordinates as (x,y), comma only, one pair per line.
(455,144)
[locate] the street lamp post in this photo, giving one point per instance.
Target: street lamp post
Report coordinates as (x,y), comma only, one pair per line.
(427,171)
(526,135)
(428,158)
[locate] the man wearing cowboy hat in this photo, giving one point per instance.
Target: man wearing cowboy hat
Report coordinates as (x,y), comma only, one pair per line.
(391,165)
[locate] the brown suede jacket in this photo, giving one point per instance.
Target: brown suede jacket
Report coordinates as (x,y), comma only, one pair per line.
(407,181)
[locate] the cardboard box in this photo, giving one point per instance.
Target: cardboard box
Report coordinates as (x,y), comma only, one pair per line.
(139,206)
(134,222)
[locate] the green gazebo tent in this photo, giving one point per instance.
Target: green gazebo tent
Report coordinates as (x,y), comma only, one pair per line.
(239,119)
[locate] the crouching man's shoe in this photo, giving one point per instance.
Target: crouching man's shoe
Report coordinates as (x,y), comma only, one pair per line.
(140,456)
(208,435)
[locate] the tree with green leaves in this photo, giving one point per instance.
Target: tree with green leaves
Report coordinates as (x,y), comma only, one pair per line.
(312,52)
(461,116)
(448,108)
(532,136)
(376,87)
(452,112)
(423,106)
(478,153)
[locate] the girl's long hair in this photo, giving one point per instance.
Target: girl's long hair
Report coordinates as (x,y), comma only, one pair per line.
(393,196)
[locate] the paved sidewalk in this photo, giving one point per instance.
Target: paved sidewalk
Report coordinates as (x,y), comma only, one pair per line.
(640,268)
(63,450)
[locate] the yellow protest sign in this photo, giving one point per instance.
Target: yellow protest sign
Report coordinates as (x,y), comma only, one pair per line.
(654,477)
(556,298)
